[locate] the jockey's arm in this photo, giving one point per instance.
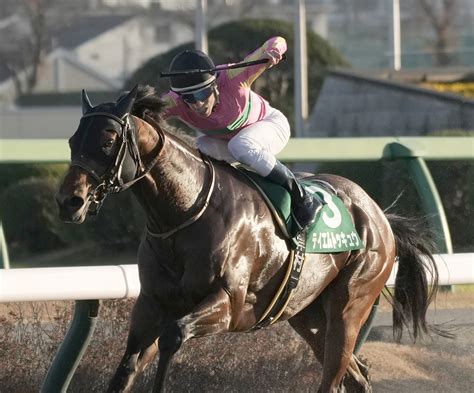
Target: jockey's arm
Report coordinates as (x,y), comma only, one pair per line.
(273,50)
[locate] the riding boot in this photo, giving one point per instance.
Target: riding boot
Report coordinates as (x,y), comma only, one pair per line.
(303,205)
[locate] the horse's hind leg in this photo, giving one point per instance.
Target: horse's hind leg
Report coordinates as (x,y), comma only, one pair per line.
(333,343)
(141,349)
(305,323)
(357,378)
(310,324)
(346,306)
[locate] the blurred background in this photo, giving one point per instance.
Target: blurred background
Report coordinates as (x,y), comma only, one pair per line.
(51,49)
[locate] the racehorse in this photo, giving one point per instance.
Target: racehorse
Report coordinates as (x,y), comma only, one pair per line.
(212,258)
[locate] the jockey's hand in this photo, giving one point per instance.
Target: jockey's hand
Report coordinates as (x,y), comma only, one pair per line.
(273,55)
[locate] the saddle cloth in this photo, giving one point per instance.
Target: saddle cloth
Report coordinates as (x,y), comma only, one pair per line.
(333,229)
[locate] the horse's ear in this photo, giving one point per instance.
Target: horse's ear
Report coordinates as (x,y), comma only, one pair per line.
(125,104)
(86,103)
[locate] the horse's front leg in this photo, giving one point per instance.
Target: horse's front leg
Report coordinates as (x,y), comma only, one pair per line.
(142,345)
(211,316)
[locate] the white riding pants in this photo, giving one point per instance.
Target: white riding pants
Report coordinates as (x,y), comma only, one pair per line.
(255,145)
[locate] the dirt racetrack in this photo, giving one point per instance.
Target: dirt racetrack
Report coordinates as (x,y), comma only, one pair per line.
(271,360)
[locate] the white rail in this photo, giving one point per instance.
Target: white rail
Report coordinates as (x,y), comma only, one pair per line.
(69,283)
(454,269)
(121,281)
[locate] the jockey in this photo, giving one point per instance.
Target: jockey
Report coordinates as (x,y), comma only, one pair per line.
(237,124)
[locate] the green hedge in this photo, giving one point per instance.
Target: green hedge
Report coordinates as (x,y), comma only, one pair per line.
(12,173)
(28,216)
(384,181)
(31,224)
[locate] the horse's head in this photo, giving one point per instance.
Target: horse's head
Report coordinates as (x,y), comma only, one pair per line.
(104,157)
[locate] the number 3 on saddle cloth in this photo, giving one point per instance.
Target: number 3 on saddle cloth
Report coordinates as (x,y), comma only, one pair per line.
(332,231)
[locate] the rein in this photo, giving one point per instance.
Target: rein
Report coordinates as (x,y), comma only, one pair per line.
(194,218)
(111,182)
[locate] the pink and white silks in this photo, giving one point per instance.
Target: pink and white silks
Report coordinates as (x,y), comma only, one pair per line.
(243,126)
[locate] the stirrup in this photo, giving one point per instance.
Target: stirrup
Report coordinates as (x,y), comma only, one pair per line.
(299,227)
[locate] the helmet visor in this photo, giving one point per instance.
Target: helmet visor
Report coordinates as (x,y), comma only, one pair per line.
(201,95)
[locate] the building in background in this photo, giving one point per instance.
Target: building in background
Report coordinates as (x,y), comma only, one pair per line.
(114,37)
(96,52)
(97,44)
(380,104)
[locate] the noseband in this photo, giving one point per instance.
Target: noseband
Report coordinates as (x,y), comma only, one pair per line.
(111,181)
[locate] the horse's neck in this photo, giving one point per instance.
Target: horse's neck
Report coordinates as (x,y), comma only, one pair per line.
(171,190)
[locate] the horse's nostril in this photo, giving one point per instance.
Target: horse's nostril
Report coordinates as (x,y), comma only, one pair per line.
(75,202)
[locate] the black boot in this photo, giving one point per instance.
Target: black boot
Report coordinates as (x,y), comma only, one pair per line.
(303,205)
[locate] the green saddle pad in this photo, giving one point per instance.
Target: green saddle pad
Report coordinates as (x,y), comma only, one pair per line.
(333,229)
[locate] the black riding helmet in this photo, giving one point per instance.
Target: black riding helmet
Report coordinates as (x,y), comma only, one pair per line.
(191,60)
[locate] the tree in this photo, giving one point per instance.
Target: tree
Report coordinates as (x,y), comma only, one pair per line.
(22,54)
(232,41)
(441,15)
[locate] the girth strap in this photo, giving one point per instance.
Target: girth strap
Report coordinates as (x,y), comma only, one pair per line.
(290,282)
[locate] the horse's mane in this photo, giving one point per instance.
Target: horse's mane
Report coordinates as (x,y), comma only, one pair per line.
(149,104)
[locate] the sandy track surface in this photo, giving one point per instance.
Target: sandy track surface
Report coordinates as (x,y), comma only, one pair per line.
(271,360)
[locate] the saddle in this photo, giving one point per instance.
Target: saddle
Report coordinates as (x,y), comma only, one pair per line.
(333,229)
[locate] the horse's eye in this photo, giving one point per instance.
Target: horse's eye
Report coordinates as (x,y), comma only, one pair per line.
(107,141)
(108,144)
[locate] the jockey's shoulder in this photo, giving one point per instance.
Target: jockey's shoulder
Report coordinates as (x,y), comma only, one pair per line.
(171,105)
(169,99)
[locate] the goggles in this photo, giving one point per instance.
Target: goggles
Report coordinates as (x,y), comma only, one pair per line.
(201,95)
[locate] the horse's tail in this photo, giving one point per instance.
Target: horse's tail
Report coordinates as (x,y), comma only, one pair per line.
(416,282)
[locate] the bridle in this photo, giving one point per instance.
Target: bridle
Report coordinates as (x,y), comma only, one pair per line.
(111,181)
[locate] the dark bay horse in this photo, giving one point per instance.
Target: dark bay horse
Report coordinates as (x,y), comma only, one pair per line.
(212,257)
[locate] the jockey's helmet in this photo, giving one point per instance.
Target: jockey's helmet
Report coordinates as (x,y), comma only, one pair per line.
(193,82)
